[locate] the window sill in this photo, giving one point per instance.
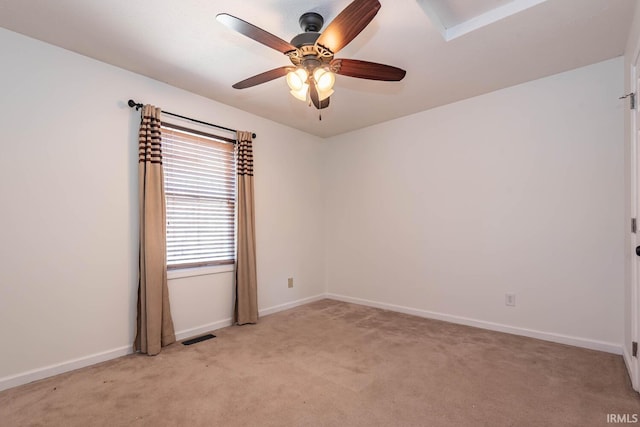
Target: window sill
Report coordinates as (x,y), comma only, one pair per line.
(199,271)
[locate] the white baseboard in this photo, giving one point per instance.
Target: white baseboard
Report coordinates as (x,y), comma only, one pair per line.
(292,304)
(546,336)
(60,368)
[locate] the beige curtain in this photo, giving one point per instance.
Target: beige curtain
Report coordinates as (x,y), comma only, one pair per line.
(155,326)
(246,305)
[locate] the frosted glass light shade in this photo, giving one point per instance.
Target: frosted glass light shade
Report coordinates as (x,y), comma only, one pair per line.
(322,95)
(297,79)
(301,93)
(324,79)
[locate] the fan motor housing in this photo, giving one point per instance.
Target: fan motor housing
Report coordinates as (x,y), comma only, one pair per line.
(305,39)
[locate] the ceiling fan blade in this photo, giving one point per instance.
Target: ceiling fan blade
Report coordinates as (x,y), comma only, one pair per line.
(348,24)
(367,70)
(262,77)
(315,98)
(255,33)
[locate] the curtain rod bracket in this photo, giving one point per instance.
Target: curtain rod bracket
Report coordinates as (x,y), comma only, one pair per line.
(137,106)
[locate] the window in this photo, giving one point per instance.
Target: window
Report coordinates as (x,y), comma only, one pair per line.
(200,193)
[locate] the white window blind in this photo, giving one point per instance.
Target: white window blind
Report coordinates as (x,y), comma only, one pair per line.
(200,192)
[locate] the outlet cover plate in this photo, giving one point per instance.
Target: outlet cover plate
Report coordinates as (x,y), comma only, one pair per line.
(510,300)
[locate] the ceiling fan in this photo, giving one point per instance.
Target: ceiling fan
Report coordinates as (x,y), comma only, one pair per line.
(312,75)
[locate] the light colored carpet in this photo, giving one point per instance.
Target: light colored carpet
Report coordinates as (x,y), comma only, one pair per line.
(335,364)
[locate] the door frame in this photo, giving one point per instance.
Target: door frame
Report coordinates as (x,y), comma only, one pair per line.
(634,133)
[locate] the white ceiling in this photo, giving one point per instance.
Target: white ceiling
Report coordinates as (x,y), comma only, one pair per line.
(182,44)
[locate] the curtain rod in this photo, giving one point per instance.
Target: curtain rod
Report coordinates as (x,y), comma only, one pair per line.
(137,106)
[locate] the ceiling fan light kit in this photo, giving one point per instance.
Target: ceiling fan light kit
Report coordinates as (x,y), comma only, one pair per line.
(312,53)
(299,81)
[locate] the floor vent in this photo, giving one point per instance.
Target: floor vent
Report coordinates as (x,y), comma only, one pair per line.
(198,339)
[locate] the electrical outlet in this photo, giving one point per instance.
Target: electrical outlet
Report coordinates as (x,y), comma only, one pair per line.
(290,282)
(510,300)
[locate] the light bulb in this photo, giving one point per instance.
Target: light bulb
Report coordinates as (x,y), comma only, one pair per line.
(324,79)
(297,79)
(301,93)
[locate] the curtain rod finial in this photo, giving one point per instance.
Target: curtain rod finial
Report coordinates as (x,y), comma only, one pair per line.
(132,104)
